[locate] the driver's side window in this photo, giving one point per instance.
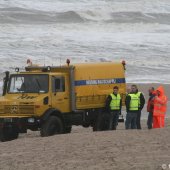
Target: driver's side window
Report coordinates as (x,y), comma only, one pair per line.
(58,84)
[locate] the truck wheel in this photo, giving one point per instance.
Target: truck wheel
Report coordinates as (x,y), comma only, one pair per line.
(86,125)
(52,126)
(9,132)
(102,123)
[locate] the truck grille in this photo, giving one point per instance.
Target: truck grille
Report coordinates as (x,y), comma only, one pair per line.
(17,109)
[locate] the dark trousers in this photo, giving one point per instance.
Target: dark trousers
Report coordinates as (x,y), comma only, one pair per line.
(130,122)
(150,120)
(138,120)
(114,117)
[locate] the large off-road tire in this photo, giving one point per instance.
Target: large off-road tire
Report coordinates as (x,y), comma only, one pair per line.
(52,126)
(102,122)
(86,125)
(9,132)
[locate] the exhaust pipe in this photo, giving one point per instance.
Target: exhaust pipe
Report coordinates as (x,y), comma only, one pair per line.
(5,82)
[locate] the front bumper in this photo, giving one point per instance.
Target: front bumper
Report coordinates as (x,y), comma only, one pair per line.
(23,123)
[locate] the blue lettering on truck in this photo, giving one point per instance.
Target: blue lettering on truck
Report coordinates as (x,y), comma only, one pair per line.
(99,81)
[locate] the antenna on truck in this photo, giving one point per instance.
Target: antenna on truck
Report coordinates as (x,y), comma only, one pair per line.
(60,61)
(44,61)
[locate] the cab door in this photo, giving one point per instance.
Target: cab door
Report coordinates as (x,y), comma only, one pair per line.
(60,93)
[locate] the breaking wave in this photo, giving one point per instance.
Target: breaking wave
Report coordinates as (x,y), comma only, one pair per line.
(20,15)
(28,16)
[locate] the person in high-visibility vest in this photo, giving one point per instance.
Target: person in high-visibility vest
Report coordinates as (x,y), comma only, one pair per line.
(114,105)
(160,106)
(134,104)
(140,95)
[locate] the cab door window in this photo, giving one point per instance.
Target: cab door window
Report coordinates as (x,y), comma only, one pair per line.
(58,84)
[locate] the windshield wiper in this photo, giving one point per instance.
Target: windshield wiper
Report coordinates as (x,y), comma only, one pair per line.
(39,86)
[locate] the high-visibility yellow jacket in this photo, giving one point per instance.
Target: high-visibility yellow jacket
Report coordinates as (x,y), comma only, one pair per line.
(134,102)
(115,102)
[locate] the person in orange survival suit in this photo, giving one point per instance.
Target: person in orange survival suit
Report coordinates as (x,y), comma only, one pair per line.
(160,106)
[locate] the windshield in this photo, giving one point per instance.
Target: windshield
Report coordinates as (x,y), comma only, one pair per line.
(25,83)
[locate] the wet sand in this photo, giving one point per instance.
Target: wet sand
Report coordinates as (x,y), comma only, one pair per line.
(83,149)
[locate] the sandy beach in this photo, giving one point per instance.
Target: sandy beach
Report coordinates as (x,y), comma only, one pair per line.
(83,149)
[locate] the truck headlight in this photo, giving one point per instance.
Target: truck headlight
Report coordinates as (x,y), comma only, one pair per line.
(31,120)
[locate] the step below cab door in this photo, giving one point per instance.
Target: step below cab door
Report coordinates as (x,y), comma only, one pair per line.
(60,93)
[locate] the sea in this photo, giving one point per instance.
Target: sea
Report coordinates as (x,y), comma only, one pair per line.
(50,31)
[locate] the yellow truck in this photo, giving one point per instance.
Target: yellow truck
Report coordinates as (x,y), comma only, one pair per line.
(53,98)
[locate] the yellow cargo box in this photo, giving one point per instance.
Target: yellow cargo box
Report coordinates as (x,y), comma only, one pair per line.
(95,81)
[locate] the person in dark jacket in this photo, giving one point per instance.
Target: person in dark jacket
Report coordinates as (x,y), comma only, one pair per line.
(114,105)
(134,104)
(150,107)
